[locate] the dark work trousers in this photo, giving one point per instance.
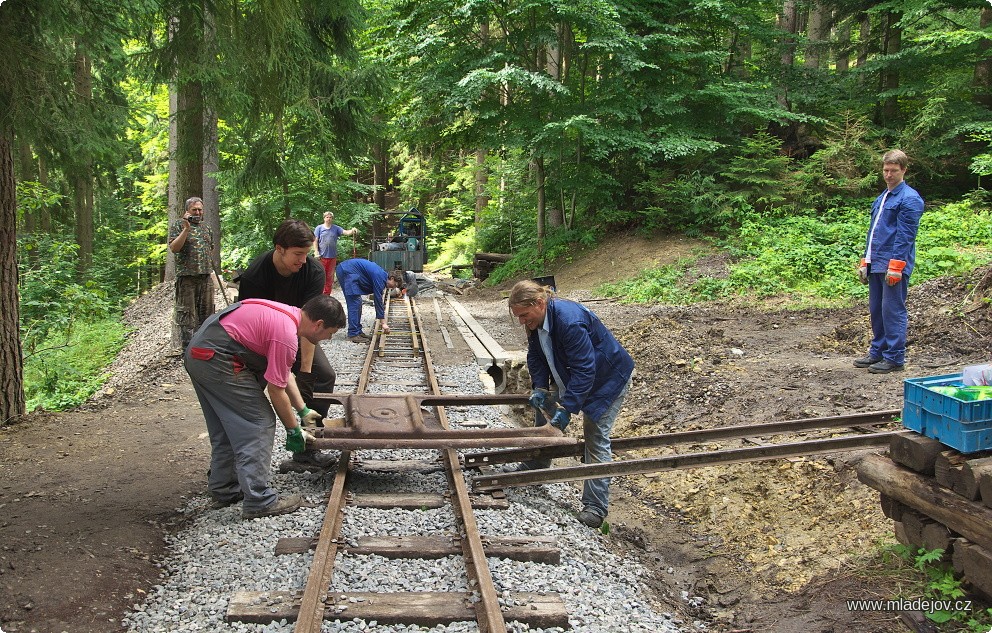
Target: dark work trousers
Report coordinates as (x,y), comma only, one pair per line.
(324,378)
(889,318)
(194,303)
(240,421)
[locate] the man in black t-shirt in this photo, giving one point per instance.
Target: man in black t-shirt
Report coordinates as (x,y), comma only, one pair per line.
(288,275)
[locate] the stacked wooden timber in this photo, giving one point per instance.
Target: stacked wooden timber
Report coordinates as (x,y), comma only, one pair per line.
(484,263)
(938,498)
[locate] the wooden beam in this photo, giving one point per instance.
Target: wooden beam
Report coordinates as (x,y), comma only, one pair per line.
(971,520)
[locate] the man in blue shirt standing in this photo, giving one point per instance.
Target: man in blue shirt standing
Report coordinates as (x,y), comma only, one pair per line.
(890,255)
(575,364)
(326,246)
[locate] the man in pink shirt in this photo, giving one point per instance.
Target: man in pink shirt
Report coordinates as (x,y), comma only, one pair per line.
(234,359)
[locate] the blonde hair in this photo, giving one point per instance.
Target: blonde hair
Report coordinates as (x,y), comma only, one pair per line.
(527,293)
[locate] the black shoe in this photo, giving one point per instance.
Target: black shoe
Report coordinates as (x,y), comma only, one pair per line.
(866,361)
(590,518)
(220,503)
(884,367)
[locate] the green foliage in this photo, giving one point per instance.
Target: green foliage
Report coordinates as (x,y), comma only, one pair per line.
(68,367)
(760,172)
(814,257)
(51,299)
(560,246)
(937,582)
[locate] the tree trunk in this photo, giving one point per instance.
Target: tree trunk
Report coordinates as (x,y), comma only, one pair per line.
(819,34)
(788,23)
(12,402)
(541,203)
(211,165)
(864,39)
(890,74)
(379,174)
(843,45)
(983,68)
(82,176)
(481,182)
(170,259)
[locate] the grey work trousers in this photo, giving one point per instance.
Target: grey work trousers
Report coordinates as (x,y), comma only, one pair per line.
(240,420)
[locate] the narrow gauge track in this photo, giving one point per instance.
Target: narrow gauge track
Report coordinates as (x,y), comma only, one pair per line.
(400,363)
(864,437)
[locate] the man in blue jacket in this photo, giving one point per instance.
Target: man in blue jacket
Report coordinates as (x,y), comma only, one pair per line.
(890,254)
(361,277)
(575,364)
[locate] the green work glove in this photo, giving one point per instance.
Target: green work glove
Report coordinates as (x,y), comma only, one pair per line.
(309,416)
(296,439)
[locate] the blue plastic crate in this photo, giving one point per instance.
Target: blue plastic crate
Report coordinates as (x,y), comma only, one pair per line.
(964,426)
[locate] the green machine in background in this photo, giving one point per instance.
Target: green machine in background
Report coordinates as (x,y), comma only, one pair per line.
(398,240)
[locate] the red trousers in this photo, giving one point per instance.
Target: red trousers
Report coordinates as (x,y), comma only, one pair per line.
(329,265)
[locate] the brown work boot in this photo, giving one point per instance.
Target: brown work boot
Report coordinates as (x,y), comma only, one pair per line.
(282,505)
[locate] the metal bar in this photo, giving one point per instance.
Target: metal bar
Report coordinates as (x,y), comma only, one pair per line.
(311,615)
(675,462)
(427,400)
(488,613)
(685,437)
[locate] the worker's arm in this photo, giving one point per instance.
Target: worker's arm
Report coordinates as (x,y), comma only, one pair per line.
(179,241)
(284,400)
(306,355)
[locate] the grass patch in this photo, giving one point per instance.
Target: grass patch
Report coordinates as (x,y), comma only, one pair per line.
(70,368)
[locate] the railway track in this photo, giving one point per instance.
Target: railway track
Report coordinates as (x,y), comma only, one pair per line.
(398,404)
(395,428)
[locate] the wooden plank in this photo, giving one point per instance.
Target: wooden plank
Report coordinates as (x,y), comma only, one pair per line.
(971,520)
(482,355)
(541,611)
(496,351)
(540,549)
(915,451)
(397,465)
(417,501)
(891,508)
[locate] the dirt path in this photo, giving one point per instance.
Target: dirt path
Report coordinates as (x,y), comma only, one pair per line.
(86,496)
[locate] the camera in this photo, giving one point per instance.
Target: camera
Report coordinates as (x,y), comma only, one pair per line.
(194,219)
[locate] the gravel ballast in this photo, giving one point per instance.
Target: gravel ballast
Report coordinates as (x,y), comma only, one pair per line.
(216,553)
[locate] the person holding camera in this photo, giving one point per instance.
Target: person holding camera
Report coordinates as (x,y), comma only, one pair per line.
(193,244)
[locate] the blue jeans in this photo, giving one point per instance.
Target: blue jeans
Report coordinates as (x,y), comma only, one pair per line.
(596,435)
(889,318)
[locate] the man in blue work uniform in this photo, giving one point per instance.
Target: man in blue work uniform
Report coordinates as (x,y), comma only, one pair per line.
(361,277)
(575,364)
(890,255)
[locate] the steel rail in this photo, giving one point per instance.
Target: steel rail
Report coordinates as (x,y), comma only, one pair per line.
(487,609)
(674,462)
(488,613)
(475,460)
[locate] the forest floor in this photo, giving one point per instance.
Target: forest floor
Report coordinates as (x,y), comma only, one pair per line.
(86,496)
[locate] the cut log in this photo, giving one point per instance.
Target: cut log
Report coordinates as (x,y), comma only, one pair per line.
(971,520)
(971,477)
(976,564)
(937,536)
(913,522)
(891,508)
(947,468)
(915,451)
(900,531)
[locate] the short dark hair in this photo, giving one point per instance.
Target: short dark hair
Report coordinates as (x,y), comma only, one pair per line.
(327,309)
(397,277)
(293,233)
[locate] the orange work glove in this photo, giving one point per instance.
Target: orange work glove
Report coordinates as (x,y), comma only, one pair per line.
(863,271)
(894,274)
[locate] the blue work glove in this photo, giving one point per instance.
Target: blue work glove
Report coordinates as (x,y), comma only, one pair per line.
(296,439)
(538,398)
(561,419)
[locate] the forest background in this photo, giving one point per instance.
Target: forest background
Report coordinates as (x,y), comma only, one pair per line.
(531,127)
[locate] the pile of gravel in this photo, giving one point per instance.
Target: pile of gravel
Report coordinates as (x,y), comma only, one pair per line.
(217,553)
